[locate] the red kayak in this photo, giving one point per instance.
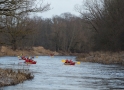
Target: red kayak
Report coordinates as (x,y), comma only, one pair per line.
(28,61)
(33,62)
(51,55)
(69,62)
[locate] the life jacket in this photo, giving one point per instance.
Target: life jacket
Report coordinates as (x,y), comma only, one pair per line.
(23,57)
(66,61)
(70,61)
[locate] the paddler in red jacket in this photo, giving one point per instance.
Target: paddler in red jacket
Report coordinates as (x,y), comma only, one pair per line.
(66,61)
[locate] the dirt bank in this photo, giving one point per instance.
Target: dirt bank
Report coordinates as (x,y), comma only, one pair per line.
(102,57)
(35,51)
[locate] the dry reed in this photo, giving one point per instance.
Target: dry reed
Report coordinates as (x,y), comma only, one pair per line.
(13,77)
(103,57)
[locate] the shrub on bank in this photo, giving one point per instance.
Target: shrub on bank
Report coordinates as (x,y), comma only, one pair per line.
(13,77)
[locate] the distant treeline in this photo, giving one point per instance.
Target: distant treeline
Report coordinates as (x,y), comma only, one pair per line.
(100,28)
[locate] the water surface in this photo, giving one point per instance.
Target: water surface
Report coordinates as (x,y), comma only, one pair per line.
(51,74)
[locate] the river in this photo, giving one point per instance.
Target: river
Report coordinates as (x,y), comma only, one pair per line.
(51,74)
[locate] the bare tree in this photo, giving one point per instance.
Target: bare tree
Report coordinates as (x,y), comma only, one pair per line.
(106,18)
(18,7)
(13,14)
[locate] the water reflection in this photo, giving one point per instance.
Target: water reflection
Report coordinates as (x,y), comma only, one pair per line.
(51,74)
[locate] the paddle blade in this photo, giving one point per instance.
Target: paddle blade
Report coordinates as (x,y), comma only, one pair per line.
(21,54)
(63,61)
(78,62)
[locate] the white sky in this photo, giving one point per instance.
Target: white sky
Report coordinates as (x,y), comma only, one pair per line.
(61,6)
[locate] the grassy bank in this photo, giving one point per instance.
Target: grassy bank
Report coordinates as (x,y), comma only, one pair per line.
(35,51)
(102,57)
(12,77)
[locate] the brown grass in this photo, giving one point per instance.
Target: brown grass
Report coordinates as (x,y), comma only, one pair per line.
(12,77)
(7,51)
(103,57)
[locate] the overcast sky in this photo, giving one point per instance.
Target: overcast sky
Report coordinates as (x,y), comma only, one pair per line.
(61,6)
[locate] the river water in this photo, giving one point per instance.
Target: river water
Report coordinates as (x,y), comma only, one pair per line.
(51,74)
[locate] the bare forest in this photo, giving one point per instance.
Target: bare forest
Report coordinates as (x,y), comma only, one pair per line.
(99,28)
(97,35)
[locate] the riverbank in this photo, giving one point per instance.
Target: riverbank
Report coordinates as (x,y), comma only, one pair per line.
(34,51)
(95,57)
(12,77)
(102,57)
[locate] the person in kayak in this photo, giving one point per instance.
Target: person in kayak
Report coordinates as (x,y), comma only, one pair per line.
(70,61)
(23,57)
(66,61)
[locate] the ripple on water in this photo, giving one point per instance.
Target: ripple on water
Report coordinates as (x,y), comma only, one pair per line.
(51,74)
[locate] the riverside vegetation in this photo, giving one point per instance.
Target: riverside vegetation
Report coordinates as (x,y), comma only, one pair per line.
(103,57)
(13,77)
